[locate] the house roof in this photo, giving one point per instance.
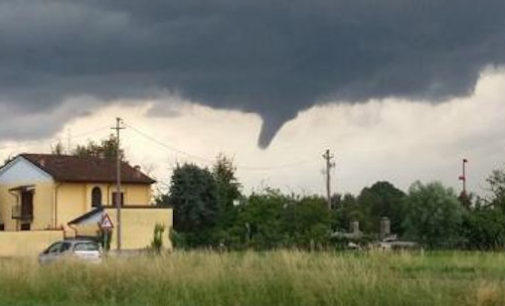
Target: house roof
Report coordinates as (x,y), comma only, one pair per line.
(89,217)
(68,168)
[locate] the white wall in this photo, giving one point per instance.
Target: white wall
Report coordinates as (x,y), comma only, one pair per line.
(21,170)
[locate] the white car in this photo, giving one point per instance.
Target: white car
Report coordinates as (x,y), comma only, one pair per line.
(81,249)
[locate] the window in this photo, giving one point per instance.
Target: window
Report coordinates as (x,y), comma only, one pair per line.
(64,247)
(26,206)
(25,226)
(96,197)
(2,227)
(86,246)
(114,198)
(54,248)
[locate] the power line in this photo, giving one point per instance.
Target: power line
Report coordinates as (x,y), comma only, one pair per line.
(153,139)
(211,161)
(91,131)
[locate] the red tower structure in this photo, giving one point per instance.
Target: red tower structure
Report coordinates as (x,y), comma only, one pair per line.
(462,178)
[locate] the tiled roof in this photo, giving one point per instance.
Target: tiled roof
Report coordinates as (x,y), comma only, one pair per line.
(67,168)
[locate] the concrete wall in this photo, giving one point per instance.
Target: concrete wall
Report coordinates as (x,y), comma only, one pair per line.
(138,226)
(27,244)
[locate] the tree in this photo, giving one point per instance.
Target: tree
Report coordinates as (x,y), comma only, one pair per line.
(228,190)
(382,199)
(346,211)
(259,223)
(433,215)
(484,225)
(107,148)
(465,199)
(484,229)
(496,182)
(58,148)
(307,221)
(193,196)
(273,220)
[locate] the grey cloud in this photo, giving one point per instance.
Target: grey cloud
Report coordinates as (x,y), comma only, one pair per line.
(19,124)
(274,58)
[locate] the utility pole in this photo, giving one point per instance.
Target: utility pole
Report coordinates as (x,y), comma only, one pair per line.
(462,178)
(329,164)
(118,128)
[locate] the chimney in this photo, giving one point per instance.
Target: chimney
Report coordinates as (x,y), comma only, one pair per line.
(137,170)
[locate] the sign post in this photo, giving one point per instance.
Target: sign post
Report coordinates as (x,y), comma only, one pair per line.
(106,227)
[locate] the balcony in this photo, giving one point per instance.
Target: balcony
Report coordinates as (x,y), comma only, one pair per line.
(21,214)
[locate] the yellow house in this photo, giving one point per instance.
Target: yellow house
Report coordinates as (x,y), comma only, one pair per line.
(45,192)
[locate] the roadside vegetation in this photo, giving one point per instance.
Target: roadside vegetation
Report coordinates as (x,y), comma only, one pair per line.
(211,212)
(262,278)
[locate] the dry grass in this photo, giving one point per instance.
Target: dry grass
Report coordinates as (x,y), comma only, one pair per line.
(270,278)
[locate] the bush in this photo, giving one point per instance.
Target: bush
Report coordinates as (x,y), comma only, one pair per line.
(157,242)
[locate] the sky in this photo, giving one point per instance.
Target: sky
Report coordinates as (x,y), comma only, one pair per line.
(397,90)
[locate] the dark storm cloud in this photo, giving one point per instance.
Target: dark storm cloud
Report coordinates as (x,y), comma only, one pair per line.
(273,58)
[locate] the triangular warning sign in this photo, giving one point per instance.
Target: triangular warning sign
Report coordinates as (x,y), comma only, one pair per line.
(106,222)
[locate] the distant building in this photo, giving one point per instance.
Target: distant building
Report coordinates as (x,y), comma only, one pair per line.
(46,192)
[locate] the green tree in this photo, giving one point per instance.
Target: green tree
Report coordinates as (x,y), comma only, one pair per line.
(259,223)
(484,229)
(228,190)
(433,215)
(307,221)
(107,148)
(346,210)
(496,182)
(484,225)
(193,196)
(274,220)
(382,199)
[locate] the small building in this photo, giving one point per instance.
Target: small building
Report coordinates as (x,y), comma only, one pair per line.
(44,192)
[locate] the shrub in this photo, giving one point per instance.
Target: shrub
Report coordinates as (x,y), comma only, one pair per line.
(157,242)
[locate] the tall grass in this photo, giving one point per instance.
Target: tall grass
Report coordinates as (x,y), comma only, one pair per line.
(269,278)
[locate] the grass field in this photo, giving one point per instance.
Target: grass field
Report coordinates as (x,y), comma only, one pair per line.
(270,278)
